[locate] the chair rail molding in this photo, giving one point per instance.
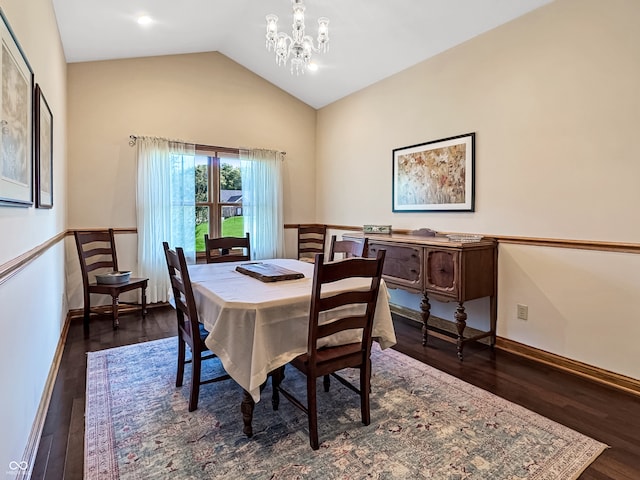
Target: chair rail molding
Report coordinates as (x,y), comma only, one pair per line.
(12,267)
(622,247)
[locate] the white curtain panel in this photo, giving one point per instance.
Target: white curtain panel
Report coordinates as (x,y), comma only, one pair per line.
(262,201)
(165,208)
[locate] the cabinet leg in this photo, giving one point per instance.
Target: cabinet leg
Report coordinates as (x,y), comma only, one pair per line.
(425,306)
(461,324)
(494,316)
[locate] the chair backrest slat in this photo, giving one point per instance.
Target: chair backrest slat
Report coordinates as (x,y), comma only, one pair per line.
(227,249)
(346,323)
(345,298)
(96,251)
(108,264)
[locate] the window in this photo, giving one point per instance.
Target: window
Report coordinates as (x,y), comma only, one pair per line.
(218,195)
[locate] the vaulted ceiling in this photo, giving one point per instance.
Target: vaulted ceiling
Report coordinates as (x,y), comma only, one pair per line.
(369,39)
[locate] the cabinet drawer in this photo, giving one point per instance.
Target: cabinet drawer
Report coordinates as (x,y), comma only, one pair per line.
(402,264)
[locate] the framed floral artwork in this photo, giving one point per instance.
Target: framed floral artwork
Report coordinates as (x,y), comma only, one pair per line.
(435,176)
(44,151)
(16,121)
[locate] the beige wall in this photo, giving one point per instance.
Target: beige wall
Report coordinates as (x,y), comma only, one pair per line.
(204,98)
(553,98)
(32,303)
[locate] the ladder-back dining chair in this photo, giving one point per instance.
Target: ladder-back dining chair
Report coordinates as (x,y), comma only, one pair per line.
(322,362)
(311,240)
(190,331)
(97,255)
(347,248)
(227,249)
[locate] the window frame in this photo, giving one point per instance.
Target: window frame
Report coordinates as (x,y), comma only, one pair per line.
(214,156)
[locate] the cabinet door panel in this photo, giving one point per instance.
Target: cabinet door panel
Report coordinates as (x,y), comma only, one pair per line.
(442,272)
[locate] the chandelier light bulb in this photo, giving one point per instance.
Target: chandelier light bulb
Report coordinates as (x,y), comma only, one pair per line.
(272,31)
(298,17)
(296,48)
(144,20)
(323,34)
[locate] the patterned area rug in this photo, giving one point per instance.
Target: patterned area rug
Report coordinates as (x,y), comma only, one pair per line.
(424,424)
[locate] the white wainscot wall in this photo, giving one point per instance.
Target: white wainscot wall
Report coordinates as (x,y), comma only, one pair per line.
(583,304)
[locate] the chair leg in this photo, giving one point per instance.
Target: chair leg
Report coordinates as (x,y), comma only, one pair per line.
(312,407)
(181,355)
(326,381)
(246,407)
(114,311)
(276,379)
(195,382)
(87,313)
(365,388)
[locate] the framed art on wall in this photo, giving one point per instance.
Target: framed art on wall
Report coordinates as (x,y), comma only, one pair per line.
(16,122)
(435,176)
(44,151)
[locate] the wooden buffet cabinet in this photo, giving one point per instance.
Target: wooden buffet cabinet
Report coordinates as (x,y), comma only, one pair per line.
(443,270)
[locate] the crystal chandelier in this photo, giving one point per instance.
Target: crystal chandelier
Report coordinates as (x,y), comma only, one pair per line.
(297,47)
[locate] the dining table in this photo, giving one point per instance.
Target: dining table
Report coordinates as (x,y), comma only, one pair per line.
(256,326)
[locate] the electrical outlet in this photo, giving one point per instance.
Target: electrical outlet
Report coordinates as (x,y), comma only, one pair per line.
(523,312)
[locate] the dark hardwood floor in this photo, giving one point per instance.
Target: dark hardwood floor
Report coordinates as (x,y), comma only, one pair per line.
(595,410)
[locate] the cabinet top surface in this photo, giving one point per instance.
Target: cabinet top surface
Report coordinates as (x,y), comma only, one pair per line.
(438,240)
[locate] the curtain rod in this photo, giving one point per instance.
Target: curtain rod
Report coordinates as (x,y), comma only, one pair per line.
(134,138)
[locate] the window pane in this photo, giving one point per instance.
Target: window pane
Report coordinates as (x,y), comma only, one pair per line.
(202,178)
(232,225)
(202,226)
(230,181)
(231,221)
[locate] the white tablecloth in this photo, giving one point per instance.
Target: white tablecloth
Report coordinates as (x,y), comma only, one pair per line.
(256,327)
